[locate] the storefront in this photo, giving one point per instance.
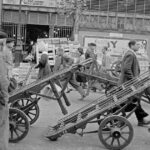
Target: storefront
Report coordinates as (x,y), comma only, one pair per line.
(39,19)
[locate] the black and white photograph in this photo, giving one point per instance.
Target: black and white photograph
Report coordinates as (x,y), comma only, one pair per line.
(74,74)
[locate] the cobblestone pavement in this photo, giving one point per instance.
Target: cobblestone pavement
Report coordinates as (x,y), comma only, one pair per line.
(50,113)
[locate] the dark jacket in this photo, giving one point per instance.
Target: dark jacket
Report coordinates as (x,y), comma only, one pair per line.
(130,67)
(62,62)
(44,68)
(90,54)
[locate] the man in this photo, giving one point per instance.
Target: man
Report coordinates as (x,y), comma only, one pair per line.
(63,61)
(8,56)
(4,82)
(106,59)
(130,69)
(90,53)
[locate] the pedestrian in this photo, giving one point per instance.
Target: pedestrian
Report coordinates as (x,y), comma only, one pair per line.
(44,67)
(106,59)
(63,61)
(44,71)
(80,78)
(4,111)
(129,70)
(90,53)
(8,56)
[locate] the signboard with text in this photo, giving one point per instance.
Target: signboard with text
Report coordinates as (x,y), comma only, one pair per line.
(44,3)
(117,47)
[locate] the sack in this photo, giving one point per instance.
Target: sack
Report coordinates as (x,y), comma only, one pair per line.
(47,91)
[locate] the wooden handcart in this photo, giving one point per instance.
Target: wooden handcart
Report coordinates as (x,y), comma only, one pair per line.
(114,131)
(24,109)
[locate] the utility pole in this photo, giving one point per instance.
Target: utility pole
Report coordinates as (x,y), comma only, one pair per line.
(19,42)
(19,48)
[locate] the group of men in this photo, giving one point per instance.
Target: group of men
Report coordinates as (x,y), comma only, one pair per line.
(129,69)
(6,65)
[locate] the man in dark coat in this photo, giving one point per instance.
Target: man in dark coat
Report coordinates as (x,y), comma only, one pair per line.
(44,67)
(63,61)
(129,69)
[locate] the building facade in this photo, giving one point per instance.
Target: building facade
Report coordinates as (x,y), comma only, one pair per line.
(43,18)
(37,20)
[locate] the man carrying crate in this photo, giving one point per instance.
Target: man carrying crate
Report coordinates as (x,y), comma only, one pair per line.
(63,61)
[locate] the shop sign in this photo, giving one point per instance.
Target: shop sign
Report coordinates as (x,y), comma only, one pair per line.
(44,3)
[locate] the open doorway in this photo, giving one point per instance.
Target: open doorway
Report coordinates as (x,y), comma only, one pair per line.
(36,31)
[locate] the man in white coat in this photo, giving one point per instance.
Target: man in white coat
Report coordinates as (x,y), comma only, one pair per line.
(4,111)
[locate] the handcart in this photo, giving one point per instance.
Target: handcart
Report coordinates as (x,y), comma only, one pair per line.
(94,74)
(115,131)
(24,101)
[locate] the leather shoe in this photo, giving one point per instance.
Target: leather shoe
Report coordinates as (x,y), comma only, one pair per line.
(143,122)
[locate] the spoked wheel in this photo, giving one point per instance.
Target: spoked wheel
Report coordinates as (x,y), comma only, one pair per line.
(116,66)
(115,132)
(29,106)
(18,125)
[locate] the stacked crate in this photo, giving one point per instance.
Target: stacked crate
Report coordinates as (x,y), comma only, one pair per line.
(51,46)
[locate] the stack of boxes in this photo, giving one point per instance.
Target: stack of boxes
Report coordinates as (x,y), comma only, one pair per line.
(50,45)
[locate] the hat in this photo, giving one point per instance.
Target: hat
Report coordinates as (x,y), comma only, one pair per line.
(2,35)
(9,40)
(92,44)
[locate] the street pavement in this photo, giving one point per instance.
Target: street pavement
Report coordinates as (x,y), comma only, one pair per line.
(49,115)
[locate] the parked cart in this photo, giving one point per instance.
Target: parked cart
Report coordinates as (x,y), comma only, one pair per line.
(24,108)
(114,131)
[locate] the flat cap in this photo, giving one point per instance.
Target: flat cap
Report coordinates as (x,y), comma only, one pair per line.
(9,40)
(2,34)
(92,44)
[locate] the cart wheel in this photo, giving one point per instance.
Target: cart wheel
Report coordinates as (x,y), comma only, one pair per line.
(18,125)
(115,132)
(29,106)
